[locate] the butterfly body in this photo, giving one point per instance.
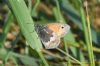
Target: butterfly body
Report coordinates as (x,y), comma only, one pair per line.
(50,34)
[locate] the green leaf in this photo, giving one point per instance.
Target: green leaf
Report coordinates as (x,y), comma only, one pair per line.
(25,22)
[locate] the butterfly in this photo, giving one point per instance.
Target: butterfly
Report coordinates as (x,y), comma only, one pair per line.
(50,34)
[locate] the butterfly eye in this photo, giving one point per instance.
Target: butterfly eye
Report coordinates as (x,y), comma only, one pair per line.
(62,27)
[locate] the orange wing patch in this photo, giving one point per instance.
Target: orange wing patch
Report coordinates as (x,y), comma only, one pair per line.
(54,27)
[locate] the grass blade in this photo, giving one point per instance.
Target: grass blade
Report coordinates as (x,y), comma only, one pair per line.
(25,22)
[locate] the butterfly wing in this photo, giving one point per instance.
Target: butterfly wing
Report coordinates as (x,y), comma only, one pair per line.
(52,43)
(48,37)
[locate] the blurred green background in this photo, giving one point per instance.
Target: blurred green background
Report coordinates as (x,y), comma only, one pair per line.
(21,46)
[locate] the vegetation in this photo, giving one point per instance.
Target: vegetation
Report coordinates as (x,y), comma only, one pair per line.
(21,46)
